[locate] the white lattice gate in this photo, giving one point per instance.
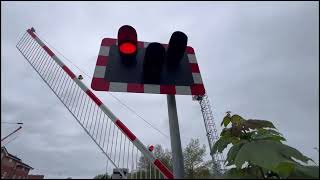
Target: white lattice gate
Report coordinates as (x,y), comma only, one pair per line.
(122,148)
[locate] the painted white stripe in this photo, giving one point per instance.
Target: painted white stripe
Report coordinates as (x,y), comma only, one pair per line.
(144,150)
(61,64)
(192,58)
(104,51)
(151,88)
(80,83)
(197,78)
(39,41)
(108,112)
(99,71)
(118,87)
(183,90)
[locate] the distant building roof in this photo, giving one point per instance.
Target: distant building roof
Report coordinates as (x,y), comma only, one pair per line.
(15,158)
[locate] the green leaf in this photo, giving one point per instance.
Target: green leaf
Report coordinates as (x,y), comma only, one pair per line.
(222,143)
(235,173)
(226,132)
(226,120)
(235,141)
(271,131)
(267,137)
(268,131)
(267,154)
(233,153)
(236,118)
(305,172)
(266,134)
(285,168)
(236,131)
(255,124)
(290,152)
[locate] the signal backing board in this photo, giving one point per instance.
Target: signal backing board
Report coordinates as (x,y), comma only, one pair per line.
(111,75)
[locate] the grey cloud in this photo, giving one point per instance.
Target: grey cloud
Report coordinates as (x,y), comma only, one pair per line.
(257,59)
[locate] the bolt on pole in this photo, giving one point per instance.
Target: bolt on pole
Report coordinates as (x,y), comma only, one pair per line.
(177,157)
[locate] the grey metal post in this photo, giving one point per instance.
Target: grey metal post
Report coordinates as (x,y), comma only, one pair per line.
(177,157)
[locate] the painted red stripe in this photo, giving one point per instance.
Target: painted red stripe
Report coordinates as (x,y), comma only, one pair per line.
(108,42)
(31,34)
(102,60)
(133,87)
(197,89)
(167,89)
(94,97)
(68,71)
(165,171)
(100,84)
(189,50)
(48,50)
(124,128)
(194,68)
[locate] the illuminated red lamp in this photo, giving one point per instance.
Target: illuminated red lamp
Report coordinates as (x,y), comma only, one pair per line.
(127,48)
(127,41)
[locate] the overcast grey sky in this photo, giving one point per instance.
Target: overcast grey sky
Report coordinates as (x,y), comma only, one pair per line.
(257,59)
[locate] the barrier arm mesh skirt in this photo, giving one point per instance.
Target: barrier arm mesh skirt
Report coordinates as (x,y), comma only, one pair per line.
(122,148)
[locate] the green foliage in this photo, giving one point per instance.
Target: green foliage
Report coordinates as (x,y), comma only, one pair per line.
(144,174)
(223,142)
(258,144)
(247,173)
(195,166)
(102,176)
(269,155)
(267,134)
(226,120)
(232,154)
(144,168)
(163,155)
(255,124)
(310,172)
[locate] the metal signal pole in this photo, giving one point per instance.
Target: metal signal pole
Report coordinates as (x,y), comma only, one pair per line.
(177,157)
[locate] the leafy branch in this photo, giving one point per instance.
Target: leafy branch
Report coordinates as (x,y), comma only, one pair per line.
(258,143)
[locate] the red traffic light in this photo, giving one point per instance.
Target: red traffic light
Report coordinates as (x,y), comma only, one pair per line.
(127,40)
(127,48)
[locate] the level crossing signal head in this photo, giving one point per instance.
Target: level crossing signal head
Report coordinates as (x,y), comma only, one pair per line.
(127,43)
(155,54)
(128,65)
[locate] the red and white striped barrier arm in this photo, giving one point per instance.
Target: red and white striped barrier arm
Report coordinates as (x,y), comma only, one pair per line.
(137,143)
